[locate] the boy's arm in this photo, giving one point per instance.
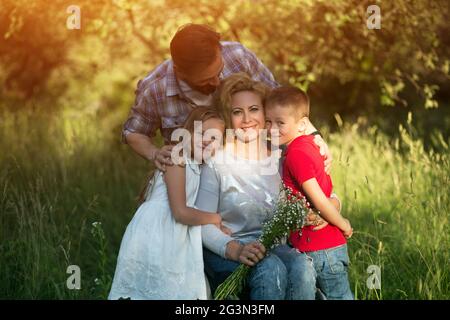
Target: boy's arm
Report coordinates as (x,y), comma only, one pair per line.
(322,203)
(175,178)
(316,220)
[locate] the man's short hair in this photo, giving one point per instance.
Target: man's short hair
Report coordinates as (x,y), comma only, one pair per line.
(292,97)
(194,46)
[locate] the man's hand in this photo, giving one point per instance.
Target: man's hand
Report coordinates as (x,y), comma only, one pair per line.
(162,157)
(144,146)
(325,152)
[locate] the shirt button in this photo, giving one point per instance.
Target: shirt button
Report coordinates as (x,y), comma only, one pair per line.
(308,239)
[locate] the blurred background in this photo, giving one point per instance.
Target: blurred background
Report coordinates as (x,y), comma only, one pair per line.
(380,97)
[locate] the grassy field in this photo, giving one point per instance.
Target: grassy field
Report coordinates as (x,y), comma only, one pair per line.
(60,174)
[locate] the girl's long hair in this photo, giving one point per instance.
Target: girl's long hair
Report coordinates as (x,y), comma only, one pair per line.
(200,113)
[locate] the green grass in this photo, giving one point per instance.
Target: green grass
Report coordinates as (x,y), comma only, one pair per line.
(59,175)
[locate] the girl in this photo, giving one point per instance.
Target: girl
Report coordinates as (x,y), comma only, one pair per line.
(161,252)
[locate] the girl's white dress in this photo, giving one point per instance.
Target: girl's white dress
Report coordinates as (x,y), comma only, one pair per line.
(160,258)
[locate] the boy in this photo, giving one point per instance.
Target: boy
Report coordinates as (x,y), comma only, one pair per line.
(287,112)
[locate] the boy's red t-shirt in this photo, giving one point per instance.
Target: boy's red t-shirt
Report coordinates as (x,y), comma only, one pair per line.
(303,161)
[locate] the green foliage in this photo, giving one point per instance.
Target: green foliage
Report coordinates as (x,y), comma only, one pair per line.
(234,284)
(65,93)
(60,174)
(322,46)
(104,281)
(396,195)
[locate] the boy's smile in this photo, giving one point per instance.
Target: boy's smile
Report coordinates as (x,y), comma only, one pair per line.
(282,124)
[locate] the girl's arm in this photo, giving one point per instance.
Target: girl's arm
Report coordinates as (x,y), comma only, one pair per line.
(175,178)
(327,210)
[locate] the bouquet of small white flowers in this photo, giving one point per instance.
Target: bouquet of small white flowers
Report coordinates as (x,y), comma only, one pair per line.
(290,214)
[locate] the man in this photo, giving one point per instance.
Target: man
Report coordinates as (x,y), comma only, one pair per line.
(166,96)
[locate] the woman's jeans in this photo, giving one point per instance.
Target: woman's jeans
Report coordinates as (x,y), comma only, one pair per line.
(276,277)
(286,273)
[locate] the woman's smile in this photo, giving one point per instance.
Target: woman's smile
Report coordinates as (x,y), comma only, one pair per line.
(254,127)
(247,115)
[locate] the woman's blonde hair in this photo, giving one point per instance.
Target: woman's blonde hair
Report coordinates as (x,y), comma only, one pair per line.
(235,83)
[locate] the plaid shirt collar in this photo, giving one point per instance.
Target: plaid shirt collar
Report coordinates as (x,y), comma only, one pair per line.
(172,85)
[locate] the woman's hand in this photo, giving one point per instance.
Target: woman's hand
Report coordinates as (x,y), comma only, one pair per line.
(335,202)
(252,253)
(313,219)
(348,231)
(249,254)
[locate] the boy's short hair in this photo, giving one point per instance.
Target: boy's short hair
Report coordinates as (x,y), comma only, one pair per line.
(291,97)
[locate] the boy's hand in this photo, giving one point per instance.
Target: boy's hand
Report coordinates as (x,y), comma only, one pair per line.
(325,152)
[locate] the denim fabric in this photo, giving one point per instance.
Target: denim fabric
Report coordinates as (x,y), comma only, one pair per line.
(288,274)
(285,273)
(326,269)
(301,283)
(267,280)
(217,269)
(331,266)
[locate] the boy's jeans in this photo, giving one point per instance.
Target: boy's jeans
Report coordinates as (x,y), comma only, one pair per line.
(327,269)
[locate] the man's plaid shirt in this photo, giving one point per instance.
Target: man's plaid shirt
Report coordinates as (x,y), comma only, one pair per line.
(160,103)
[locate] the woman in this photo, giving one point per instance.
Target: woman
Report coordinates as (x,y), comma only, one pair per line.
(241,185)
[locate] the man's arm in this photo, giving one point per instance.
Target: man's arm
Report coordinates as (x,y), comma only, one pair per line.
(141,126)
(142,145)
(325,152)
